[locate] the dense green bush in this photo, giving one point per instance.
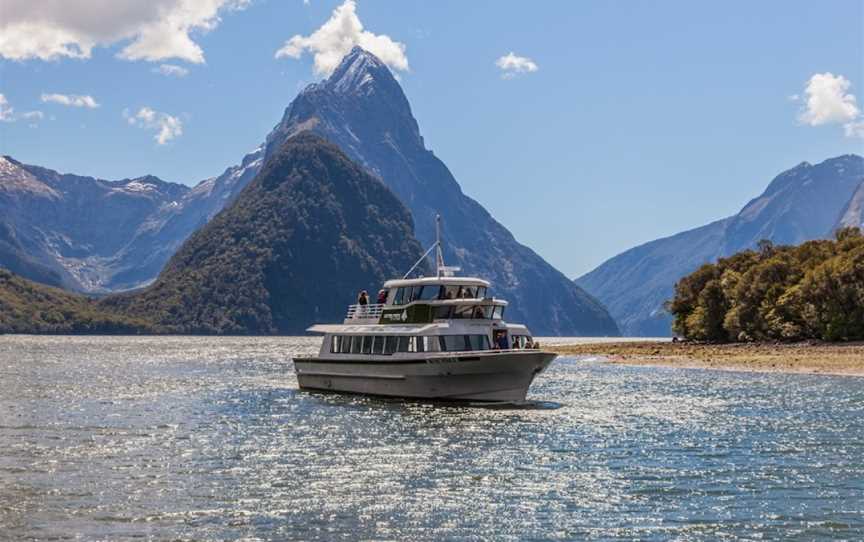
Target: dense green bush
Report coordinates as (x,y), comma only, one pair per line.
(28,307)
(811,291)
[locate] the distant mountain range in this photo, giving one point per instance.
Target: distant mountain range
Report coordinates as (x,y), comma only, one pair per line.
(74,231)
(289,251)
(804,203)
(98,236)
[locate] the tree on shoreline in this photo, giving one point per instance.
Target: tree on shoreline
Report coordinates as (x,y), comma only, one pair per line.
(811,291)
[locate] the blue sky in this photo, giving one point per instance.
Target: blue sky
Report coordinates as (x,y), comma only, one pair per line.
(641,119)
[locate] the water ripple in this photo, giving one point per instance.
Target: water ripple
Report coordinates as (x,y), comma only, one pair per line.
(210,439)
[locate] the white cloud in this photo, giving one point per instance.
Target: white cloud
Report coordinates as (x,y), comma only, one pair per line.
(8,114)
(335,38)
(171,70)
(71,100)
(167,126)
(153,30)
(33,115)
(512,64)
(829,102)
(854,128)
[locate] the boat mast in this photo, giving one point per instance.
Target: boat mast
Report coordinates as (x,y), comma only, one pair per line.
(441,270)
(439,254)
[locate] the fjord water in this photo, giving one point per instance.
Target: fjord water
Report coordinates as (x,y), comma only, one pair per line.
(210,439)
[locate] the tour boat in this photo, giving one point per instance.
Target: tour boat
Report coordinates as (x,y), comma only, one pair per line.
(440,337)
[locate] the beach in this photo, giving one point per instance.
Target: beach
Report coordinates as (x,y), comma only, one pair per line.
(807,358)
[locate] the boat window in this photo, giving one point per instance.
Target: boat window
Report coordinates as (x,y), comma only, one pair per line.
(469,292)
(478,342)
(416,344)
(411,294)
(449,292)
(430,344)
(441,312)
(356,343)
(345,344)
(378,344)
(483,311)
(453,343)
(334,344)
(397,298)
(463,343)
(390,345)
(463,311)
(498,314)
(402,344)
(428,293)
(367,345)
(481,292)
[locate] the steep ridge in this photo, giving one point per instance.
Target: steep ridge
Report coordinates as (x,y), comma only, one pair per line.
(293,248)
(853,213)
(800,204)
(362,109)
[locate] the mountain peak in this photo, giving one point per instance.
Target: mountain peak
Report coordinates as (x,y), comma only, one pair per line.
(358,69)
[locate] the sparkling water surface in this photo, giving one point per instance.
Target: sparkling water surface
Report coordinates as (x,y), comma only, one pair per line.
(171,438)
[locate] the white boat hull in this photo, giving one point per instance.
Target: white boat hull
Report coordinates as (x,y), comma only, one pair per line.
(466,376)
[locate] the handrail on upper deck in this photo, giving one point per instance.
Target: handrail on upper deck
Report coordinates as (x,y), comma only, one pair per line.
(358,311)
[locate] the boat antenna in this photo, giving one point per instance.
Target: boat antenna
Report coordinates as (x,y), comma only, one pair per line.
(439,254)
(440,268)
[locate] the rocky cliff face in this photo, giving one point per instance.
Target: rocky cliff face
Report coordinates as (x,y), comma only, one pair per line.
(293,249)
(362,109)
(806,202)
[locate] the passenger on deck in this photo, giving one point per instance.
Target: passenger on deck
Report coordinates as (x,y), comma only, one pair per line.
(382,297)
(362,300)
(501,341)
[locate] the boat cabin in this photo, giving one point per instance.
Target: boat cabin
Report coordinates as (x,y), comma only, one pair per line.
(425,300)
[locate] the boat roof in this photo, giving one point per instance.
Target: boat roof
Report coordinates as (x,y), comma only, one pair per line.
(431,281)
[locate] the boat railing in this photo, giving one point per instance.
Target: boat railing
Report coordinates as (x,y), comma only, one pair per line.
(358,312)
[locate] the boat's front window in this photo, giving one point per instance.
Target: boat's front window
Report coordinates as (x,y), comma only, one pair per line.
(450,292)
(481,292)
(498,314)
(429,293)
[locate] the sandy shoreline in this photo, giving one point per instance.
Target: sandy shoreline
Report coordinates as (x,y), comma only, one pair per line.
(834,359)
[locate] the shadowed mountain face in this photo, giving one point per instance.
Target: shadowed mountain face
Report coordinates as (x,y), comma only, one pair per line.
(804,203)
(362,109)
(292,249)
